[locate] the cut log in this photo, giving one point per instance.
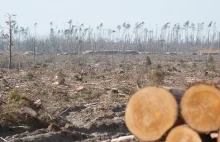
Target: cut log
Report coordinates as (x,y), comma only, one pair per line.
(183,133)
(219,136)
(200,107)
(150,113)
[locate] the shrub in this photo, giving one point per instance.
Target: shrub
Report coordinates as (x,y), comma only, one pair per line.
(13,95)
(158,75)
(148,61)
(78,77)
(210,64)
(60,74)
(159,66)
(211,60)
(194,65)
(30,76)
(87,94)
(181,61)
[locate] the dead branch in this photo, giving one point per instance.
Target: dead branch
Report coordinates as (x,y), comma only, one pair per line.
(124,139)
(48,137)
(3,139)
(91,121)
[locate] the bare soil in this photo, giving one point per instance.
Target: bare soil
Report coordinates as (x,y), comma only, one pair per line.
(84,99)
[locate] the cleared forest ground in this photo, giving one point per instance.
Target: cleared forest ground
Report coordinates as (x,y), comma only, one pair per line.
(84,98)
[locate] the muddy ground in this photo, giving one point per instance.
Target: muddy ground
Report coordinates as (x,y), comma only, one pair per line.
(84,99)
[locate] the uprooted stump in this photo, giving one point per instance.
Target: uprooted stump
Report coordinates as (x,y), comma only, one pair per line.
(200,108)
(183,133)
(150,113)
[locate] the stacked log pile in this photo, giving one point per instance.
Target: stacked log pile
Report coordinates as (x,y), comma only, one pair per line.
(166,114)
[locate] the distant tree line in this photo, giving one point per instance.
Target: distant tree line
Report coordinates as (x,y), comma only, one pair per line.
(186,37)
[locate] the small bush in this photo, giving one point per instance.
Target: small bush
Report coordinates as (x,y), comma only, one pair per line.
(194,65)
(148,61)
(158,75)
(13,95)
(78,77)
(88,94)
(30,76)
(211,60)
(159,66)
(210,64)
(60,74)
(181,61)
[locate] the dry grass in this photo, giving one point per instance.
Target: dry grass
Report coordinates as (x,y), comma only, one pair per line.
(87,94)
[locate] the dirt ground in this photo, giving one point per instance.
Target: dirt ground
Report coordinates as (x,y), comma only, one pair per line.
(84,99)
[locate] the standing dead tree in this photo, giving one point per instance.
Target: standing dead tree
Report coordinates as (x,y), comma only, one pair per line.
(35,27)
(186,26)
(11,23)
(209,26)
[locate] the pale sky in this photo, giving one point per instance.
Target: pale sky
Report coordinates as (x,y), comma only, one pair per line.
(109,12)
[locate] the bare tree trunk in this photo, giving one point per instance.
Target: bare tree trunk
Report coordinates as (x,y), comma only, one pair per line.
(219,42)
(34,53)
(35,43)
(10,22)
(10,43)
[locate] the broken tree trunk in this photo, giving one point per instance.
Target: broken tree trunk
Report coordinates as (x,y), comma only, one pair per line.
(183,133)
(150,113)
(200,107)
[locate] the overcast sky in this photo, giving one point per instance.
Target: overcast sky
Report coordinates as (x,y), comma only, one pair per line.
(109,12)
